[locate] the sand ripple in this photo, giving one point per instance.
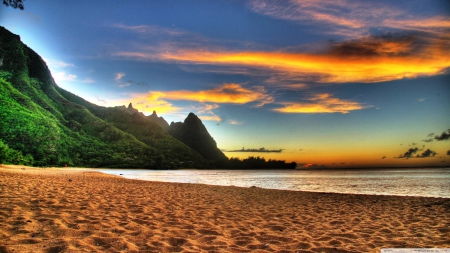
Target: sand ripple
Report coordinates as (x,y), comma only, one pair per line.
(79,211)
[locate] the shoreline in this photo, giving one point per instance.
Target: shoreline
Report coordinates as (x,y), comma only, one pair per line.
(142,174)
(78,210)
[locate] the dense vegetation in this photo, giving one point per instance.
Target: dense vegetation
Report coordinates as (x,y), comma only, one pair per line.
(44,125)
(258,163)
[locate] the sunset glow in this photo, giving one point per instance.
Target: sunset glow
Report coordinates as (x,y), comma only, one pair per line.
(331,68)
(330,83)
(321,103)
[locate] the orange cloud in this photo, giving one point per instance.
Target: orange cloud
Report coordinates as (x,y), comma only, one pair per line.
(321,103)
(211,117)
(148,103)
(227,93)
(235,122)
(330,67)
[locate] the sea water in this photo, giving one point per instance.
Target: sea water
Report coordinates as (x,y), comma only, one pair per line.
(425,182)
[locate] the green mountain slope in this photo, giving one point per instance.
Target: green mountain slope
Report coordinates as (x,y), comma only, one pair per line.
(42,124)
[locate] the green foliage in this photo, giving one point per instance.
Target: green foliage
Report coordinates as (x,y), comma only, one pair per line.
(5,75)
(12,156)
(54,127)
(14,3)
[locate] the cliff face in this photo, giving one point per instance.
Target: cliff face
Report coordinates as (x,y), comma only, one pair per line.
(43,124)
(193,133)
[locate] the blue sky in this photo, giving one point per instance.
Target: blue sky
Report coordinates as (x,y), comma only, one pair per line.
(332,83)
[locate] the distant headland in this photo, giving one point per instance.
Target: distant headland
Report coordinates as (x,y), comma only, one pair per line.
(257,150)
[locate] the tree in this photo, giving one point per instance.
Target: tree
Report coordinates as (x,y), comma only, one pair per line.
(3,152)
(14,3)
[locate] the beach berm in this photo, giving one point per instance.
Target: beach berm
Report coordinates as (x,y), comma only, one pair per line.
(77,210)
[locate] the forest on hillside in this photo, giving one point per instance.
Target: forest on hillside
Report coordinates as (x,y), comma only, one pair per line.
(42,124)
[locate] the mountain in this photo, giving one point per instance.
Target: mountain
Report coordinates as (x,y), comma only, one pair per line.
(42,124)
(160,120)
(193,133)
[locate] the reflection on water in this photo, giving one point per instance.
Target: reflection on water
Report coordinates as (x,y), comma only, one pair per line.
(428,182)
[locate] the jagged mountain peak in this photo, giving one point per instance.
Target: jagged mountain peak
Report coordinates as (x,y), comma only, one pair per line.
(194,134)
(160,120)
(193,119)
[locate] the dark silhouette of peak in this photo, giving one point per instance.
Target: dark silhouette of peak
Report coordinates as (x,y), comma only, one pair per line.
(160,120)
(194,134)
(130,109)
(193,119)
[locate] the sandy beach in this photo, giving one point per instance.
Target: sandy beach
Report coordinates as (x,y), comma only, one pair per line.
(75,210)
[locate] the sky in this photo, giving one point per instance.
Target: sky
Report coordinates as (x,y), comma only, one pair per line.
(332,83)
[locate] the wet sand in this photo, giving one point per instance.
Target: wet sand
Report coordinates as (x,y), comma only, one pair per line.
(72,210)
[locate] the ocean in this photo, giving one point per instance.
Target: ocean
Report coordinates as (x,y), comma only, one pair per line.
(424,182)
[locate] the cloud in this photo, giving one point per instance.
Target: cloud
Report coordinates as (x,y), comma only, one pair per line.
(119,76)
(448,152)
(428,140)
(437,25)
(371,59)
(88,80)
(387,45)
(63,76)
(58,64)
(151,30)
(409,154)
(148,103)
(444,136)
(430,135)
(227,93)
(311,12)
(312,166)
(321,103)
(208,109)
(384,157)
(211,117)
(60,75)
(126,84)
(427,153)
(411,47)
(235,122)
(352,18)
